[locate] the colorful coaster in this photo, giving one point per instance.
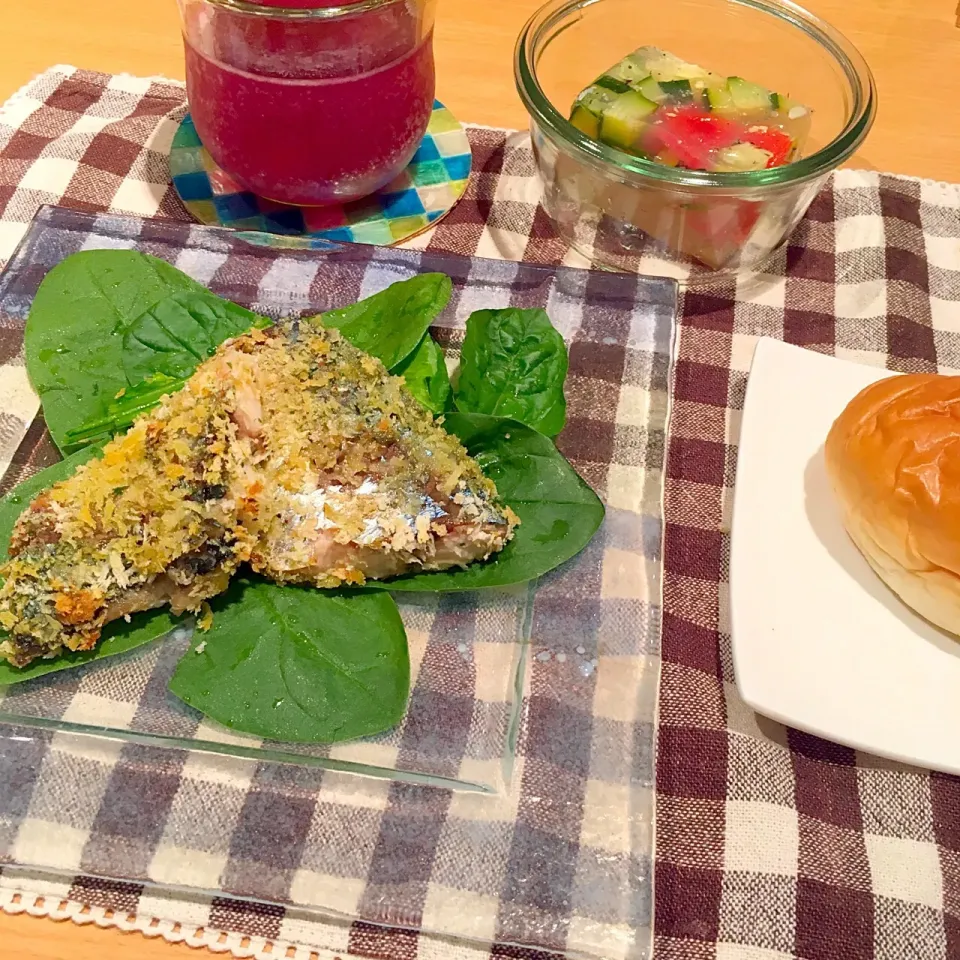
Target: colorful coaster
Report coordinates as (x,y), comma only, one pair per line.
(427,189)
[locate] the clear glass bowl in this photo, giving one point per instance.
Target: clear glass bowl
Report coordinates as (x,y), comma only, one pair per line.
(628,213)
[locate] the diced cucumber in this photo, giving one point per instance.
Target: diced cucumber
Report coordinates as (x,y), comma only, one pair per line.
(623,120)
(720,100)
(748,97)
(779,102)
(651,90)
(617,107)
(740,157)
(785,105)
(612,83)
(698,89)
(677,90)
(710,81)
(630,69)
(665,66)
(585,121)
(595,99)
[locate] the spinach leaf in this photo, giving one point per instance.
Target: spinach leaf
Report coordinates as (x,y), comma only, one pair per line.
(298,664)
(390,324)
(513,364)
(123,410)
(425,373)
(559,513)
(74,334)
(118,636)
(174,336)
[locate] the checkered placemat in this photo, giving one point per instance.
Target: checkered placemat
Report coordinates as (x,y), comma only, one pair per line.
(559,856)
(571,789)
(770,844)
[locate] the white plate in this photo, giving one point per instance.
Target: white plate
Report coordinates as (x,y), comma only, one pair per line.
(819,641)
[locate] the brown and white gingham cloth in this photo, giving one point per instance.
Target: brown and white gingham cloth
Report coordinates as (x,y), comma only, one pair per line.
(770,844)
(557,853)
(559,856)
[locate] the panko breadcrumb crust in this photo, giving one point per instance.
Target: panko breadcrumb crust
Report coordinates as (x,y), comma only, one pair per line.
(289,450)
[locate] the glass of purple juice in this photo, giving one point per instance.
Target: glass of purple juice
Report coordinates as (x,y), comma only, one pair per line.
(310,102)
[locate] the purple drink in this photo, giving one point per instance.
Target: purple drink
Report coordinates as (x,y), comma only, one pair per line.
(310,111)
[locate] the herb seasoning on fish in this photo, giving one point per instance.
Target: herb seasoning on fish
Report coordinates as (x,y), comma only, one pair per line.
(289,450)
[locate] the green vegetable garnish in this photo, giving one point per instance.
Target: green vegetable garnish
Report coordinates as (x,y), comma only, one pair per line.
(514,364)
(390,324)
(425,373)
(74,334)
(174,336)
(123,410)
(298,664)
(112,332)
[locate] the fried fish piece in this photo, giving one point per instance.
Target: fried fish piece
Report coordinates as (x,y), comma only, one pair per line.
(289,450)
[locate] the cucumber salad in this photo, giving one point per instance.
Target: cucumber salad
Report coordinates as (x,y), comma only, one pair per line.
(656,106)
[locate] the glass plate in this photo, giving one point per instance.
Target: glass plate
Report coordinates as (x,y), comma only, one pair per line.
(540,694)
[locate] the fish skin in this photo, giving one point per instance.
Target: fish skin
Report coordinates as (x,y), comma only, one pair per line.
(289,450)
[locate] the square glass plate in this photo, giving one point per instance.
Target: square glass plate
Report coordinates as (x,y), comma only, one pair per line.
(536,701)
(819,641)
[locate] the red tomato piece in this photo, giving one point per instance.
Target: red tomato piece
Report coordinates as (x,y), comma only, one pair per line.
(724,219)
(777,143)
(692,135)
(716,232)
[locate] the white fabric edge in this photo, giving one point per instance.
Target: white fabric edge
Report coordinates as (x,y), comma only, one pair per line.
(16,902)
(24,91)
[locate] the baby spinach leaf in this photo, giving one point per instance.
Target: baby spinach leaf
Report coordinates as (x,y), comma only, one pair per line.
(298,664)
(174,336)
(390,324)
(118,636)
(425,373)
(74,334)
(513,364)
(123,410)
(559,513)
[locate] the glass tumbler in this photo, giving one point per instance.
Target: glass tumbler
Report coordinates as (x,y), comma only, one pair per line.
(310,102)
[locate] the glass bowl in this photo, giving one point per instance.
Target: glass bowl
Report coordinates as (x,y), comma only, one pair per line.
(628,213)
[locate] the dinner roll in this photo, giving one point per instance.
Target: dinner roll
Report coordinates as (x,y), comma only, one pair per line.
(893,458)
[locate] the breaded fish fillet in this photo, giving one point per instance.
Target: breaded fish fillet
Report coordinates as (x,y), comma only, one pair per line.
(290,450)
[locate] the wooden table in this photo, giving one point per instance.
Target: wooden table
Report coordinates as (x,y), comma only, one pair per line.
(913,47)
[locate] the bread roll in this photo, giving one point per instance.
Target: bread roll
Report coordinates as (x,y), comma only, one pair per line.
(893,458)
